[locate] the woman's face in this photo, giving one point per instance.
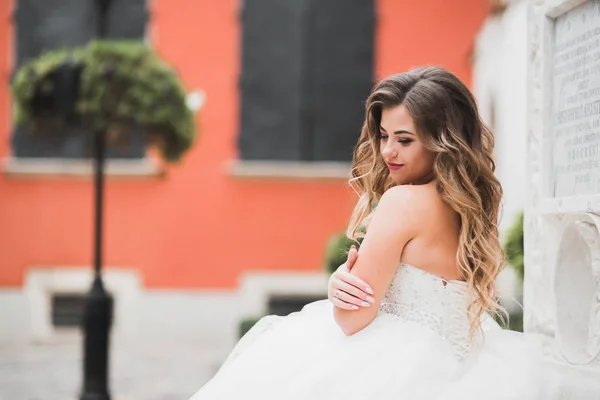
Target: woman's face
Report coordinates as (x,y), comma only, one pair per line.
(407,159)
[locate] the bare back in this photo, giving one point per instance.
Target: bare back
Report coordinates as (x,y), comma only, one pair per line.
(434,247)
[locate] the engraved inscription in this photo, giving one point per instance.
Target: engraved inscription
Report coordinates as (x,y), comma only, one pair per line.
(576,102)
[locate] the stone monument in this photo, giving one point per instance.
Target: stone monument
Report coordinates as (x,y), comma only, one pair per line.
(562,216)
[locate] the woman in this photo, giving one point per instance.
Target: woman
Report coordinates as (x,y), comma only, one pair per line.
(428,264)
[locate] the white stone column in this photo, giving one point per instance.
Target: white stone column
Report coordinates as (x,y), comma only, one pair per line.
(562,239)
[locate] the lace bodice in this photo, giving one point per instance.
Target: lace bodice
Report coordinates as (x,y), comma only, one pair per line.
(419,296)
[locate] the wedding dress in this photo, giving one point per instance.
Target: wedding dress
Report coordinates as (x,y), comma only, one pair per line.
(417,347)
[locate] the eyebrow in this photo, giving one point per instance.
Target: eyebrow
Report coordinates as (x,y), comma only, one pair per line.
(397,132)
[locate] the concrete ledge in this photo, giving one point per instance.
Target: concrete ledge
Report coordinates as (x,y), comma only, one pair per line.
(62,167)
(125,285)
(257,286)
(329,170)
(196,317)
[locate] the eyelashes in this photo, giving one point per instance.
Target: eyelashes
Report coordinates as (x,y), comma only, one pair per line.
(402,141)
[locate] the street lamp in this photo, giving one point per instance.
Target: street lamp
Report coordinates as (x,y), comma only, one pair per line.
(98,310)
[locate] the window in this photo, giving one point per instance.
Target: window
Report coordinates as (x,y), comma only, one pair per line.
(307,68)
(42,25)
(67,309)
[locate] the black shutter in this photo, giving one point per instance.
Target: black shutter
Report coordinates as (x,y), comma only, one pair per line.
(42,25)
(51,24)
(307,67)
(342,58)
(127,19)
(271,79)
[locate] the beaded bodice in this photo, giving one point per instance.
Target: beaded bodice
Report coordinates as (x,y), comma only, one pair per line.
(419,296)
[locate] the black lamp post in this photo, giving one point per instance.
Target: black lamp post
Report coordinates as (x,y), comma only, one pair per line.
(98,310)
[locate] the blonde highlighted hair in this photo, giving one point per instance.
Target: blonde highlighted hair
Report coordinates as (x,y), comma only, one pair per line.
(448,123)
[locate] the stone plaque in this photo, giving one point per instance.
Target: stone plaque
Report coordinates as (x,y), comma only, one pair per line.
(576,102)
(562,234)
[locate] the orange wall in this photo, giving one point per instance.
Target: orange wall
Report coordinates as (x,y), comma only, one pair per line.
(441,32)
(199,227)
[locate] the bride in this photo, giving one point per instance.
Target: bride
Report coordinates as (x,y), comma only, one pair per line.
(411,318)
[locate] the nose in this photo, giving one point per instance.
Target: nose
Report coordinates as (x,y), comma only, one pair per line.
(388,151)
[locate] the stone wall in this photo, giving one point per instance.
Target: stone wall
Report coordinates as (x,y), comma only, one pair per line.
(562,241)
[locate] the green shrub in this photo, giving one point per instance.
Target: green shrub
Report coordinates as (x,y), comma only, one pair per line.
(514,323)
(514,246)
(246,325)
(337,251)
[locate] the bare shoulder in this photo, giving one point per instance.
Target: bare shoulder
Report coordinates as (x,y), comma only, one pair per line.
(397,198)
(414,204)
(403,202)
(411,197)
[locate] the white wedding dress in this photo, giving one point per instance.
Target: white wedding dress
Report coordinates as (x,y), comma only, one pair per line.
(417,347)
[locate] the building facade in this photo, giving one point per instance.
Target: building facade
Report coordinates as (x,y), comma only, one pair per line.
(193,248)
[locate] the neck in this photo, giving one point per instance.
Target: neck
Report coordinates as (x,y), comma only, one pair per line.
(424,181)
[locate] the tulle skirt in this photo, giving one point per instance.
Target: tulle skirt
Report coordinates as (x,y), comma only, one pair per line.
(306,356)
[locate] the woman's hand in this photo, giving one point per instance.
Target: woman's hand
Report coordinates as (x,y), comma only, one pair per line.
(345,290)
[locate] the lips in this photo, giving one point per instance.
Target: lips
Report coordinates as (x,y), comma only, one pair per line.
(394,167)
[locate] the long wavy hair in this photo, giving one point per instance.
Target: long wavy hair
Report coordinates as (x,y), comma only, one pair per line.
(448,123)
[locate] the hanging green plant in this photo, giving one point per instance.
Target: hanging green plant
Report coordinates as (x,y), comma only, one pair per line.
(117,84)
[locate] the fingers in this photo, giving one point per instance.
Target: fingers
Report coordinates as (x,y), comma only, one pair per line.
(354,281)
(342,268)
(336,296)
(350,299)
(347,291)
(354,295)
(352,257)
(342,304)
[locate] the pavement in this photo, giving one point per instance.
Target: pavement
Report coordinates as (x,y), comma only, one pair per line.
(144,370)
(156,369)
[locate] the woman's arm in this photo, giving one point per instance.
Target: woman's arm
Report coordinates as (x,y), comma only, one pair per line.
(394,224)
